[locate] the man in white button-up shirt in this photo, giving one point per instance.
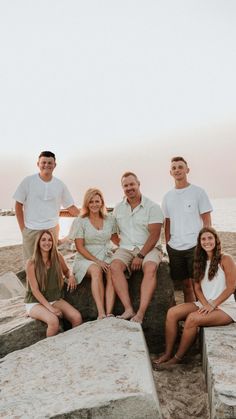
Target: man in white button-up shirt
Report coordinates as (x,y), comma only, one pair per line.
(139,222)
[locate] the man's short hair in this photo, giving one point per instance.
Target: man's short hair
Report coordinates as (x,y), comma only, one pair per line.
(126,174)
(179,158)
(47,154)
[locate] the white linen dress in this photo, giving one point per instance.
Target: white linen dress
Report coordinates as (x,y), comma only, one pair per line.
(97,242)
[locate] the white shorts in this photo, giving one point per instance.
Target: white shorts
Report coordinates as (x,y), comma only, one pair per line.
(29,306)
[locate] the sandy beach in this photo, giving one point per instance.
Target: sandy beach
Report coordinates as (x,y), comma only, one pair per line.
(181,389)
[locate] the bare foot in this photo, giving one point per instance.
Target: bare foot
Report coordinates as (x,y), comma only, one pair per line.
(127,315)
(101,317)
(162,359)
(138,318)
(174,360)
(110,315)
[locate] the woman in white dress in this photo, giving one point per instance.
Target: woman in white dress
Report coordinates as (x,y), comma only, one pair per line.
(93,232)
(214,286)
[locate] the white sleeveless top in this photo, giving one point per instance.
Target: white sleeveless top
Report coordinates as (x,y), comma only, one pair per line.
(214,287)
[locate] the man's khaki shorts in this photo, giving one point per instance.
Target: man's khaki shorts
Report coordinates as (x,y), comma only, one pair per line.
(126,256)
(29,237)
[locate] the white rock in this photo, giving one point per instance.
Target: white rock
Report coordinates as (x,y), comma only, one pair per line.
(219,364)
(98,370)
(10,286)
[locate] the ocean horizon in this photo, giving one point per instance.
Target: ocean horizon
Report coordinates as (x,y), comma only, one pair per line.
(223,219)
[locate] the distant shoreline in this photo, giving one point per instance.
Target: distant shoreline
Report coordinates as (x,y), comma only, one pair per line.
(11,257)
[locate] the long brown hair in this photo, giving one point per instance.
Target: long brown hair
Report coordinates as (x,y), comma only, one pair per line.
(200,257)
(89,194)
(40,268)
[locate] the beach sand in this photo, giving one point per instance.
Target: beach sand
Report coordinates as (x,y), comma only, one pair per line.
(181,389)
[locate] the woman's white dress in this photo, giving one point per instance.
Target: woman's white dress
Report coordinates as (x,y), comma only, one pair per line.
(97,242)
(213,288)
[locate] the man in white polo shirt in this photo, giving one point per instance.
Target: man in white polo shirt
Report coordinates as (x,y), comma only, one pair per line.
(38,201)
(139,222)
(187,209)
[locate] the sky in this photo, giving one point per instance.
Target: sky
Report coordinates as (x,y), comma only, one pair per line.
(117,85)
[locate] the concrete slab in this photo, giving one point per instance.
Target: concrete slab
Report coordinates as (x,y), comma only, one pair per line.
(98,370)
(10,286)
(219,365)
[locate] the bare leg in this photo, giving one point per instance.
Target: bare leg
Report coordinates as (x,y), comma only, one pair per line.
(174,315)
(97,288)
(192,323)
(69,312)
(39,312)
(189,295)
(148,287)
(121,287)
(110,294)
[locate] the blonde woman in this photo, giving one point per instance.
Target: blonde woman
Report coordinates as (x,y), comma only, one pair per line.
(45,279)
(93,232)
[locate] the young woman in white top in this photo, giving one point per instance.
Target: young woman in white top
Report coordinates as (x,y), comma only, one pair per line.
(214,286)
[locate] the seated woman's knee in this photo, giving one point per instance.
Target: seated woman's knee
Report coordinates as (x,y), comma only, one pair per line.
(172,313)
(95,270)
(53,322)
(77,319)
(192,320)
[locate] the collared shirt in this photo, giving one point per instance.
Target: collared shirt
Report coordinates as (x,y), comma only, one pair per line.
(133,224)
(42,201)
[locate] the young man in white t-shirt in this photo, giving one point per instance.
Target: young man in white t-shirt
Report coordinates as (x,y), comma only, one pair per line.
(38,201)
(186,210)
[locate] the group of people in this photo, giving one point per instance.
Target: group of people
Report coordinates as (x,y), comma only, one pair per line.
(116,244)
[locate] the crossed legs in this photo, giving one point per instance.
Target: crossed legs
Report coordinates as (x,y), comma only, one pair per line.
(194,320)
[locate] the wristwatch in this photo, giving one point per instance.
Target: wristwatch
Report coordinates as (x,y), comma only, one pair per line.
(140,256)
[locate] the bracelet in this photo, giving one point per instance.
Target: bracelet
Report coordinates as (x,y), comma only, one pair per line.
(140,256)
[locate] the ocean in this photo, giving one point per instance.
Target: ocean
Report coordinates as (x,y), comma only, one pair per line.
(223,217)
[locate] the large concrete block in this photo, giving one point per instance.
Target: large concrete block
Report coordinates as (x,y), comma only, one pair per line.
(16,330)
(98,370)
(154,321)
(10,286)
(219,365)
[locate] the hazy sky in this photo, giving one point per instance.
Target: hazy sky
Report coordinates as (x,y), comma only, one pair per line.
(111,86)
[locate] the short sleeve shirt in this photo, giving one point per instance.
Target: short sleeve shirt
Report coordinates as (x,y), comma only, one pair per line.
(133,224)
(184,208)
(42,201)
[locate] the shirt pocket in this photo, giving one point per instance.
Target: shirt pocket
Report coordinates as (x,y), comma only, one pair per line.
(190,206)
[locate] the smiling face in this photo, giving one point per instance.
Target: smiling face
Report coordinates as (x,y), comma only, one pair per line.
(131,187)
(45,242)
(95,204)
(208,242)
(179,170)
(46,166)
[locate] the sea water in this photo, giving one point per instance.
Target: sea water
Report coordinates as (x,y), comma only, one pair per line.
(223,218)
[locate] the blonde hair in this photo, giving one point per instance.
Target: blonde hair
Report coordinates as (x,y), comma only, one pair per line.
(89,194)
(39,265)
